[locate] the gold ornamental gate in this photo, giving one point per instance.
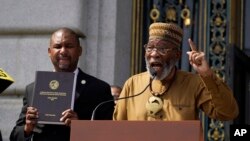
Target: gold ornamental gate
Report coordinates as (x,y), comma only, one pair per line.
(209,23)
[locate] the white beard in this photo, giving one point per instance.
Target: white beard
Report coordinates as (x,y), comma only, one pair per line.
(166,70)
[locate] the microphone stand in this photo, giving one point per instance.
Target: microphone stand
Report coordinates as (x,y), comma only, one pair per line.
(112,100)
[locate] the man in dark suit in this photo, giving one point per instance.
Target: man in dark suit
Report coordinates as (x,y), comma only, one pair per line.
(64,52)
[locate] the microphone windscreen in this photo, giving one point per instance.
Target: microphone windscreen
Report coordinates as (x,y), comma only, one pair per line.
(153,72)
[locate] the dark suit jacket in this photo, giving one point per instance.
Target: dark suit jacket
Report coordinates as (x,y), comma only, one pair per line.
(1,136)
(89,95)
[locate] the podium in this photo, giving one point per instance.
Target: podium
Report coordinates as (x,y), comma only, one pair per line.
(102,130)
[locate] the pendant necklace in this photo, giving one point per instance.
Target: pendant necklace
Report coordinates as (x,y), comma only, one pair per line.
(154,104)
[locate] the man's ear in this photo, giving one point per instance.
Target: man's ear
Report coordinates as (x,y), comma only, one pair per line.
(178,54)
(80,50)
(49,52)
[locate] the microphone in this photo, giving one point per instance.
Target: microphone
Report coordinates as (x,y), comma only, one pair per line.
(154,73)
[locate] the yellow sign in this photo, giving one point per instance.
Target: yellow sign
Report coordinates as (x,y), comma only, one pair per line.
(4,75)
(5,80)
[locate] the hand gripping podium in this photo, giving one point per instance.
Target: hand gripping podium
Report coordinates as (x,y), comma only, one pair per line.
(102,130)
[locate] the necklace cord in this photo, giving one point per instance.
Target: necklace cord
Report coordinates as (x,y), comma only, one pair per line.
(161,94)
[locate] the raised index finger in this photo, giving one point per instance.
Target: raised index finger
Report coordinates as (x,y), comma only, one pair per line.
(192,45)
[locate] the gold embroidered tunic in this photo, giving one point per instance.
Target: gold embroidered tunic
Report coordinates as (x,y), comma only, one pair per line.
(187,94)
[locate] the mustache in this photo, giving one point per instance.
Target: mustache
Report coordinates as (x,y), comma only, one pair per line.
(63,56)
(167,67)
(158,61)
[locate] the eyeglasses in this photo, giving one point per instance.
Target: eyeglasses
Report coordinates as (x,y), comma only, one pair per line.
(159,49)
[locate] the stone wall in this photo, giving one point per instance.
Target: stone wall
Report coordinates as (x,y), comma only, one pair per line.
(25,29)
(9,109)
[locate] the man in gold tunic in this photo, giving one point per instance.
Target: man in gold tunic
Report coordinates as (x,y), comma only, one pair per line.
(165,93)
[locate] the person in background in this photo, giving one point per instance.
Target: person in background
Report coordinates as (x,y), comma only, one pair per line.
(173,94)
(64,51)
(115,91)
(1,138)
